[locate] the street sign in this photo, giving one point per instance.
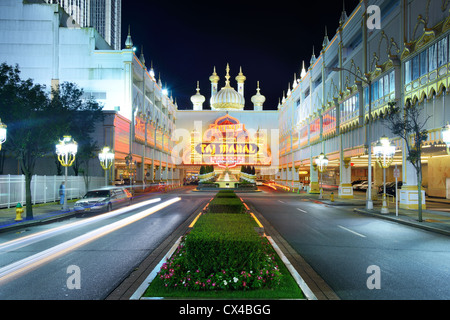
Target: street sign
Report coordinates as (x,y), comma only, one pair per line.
(396,173)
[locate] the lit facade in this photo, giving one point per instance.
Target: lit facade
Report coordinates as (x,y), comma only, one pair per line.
(103,15)
(139,117)
(328,111)
(322,111)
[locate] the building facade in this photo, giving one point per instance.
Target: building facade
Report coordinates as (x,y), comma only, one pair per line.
(139,115)
(334,106)
(327,108)
(103,15)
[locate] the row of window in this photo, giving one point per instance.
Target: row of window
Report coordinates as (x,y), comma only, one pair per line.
(427,61)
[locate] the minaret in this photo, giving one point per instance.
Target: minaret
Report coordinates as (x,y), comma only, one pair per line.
(198,100)
(303,72)
(214,82)
(129,42)
(258,100)
(240,80)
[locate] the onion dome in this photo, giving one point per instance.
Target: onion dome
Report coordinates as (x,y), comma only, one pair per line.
(214,77)
(258,99)
(198,99)
(240,77)
(227,98)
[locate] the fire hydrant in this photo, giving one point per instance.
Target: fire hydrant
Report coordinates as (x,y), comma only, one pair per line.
(332,197)
(19,211)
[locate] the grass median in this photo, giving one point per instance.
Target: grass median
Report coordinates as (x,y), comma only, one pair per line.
(224,257)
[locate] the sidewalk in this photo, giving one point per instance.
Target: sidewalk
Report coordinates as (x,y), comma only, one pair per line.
(432,220)
(42,213)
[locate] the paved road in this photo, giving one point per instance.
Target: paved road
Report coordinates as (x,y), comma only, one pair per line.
(101,263)
(341,245)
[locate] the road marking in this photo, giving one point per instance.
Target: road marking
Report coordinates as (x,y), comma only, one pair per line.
(281,201)
(38,259)
(301,210)
(358,234)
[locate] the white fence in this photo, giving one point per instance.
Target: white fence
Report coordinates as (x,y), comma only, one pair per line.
(43,188)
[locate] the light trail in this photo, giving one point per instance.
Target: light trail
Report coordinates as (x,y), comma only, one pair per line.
(23,241)
(34,261)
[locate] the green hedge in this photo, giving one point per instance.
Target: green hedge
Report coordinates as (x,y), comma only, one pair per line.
(226,205)
(224,241)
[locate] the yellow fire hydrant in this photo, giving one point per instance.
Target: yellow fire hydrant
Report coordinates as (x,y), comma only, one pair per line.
(19,211)
(332,197)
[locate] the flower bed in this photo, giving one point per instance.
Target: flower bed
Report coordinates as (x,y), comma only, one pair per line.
(224,253)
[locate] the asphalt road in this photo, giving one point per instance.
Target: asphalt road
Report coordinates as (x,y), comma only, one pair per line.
(91,267)
(349,250)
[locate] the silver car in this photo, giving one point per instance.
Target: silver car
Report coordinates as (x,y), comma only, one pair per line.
(103,199)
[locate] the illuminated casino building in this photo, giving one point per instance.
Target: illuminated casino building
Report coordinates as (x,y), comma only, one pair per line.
(333,107)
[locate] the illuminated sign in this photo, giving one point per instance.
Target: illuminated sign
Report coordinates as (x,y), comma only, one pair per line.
(227,143)
(240,149)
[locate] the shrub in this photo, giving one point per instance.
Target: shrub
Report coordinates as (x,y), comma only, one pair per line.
(221,241)
(226,205)
(222,252)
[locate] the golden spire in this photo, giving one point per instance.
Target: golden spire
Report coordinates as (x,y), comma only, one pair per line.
(227,77)
(214,77)
(240,78)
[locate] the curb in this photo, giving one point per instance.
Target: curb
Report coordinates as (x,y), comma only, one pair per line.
(420,225)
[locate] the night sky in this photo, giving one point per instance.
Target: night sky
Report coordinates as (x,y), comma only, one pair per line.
(269,39)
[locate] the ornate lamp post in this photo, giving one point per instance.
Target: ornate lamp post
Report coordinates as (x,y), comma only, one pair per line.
(384,154)
(129,163)
(446,136)
(322,163)
(2,133)
(368,82)
(66,151)
(106,158)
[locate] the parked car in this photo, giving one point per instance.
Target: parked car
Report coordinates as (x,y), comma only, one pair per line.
(119,182)
(365,185)
(357,182)
(358,186)
(103,200)
(390,188)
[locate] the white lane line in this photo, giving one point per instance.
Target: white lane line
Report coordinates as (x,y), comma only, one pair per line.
(36,260)
(281,201)
(301,210)
(23,241)
(358,234)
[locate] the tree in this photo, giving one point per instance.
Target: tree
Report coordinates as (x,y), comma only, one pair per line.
(37,121)
(31,129)
(81,115)
(409,124)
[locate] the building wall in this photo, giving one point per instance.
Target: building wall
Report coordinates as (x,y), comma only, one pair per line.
(327,111)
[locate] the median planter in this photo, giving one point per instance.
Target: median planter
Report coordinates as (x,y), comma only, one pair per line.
(223,256)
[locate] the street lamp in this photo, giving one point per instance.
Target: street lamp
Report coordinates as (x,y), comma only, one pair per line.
(2,133)
(366,80)
(446,136)
(106,158)
(384,153)
(129,163)
(322,163)
(66,151)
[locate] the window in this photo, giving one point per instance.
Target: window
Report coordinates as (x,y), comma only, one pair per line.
(432,57)
(442,52)
(415,68)
(423,63)
(407,72)
(392,81)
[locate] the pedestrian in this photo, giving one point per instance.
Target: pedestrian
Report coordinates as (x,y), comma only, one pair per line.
(62,191)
